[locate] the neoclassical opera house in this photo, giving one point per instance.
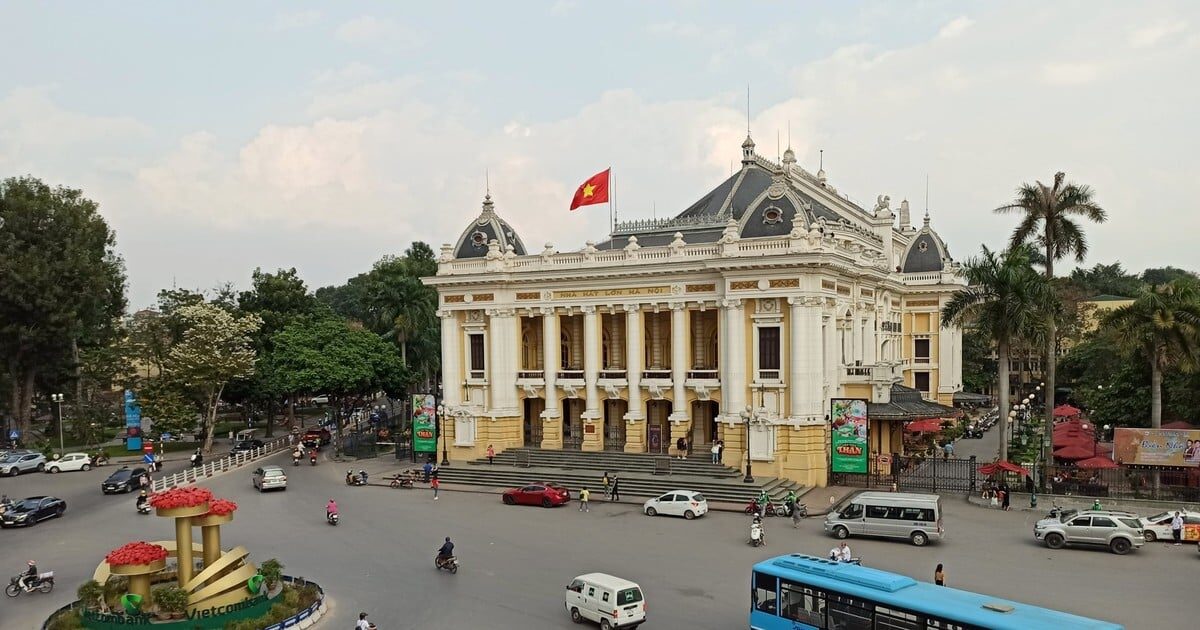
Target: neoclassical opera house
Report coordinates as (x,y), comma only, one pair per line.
(758,304)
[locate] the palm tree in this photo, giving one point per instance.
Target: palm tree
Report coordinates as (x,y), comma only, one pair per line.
(1049,221)
(1005,299)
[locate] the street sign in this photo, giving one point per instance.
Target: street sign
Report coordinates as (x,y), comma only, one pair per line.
(14,434)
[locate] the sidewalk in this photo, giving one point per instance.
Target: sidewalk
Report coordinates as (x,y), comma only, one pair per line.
(1020,503)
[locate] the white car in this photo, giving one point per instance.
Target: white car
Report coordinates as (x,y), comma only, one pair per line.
(269,478)
(17,463)
(685,503)
(69,462)
(1158,527)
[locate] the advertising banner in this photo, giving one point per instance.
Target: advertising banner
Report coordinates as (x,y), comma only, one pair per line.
(133,423)
(424,425)
(1156,447)
(848,435)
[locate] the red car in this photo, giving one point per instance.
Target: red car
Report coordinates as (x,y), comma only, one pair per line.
(540,493)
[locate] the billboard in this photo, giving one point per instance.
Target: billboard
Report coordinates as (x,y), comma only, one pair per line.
(133,422)
(848,435)
(424,425)
(1156,447)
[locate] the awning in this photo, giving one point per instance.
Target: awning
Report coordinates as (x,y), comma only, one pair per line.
(1002,466)
(907,404)
(1099,461)
(1066,411)
(971,397)
(928,425)
(1075,452)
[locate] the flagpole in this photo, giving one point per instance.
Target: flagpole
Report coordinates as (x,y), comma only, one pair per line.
(612,223)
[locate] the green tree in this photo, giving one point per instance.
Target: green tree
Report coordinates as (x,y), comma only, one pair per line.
(1049,220)
(1105,280)
(217,347)
(62,286)
(979,369)
(1163,275)
(167,407)
(1005,298)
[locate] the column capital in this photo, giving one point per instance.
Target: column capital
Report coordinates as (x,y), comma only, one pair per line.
(445,314)
(731,303)
(631,308)
(500,312)
(587,309)
(678,306)
(547,310)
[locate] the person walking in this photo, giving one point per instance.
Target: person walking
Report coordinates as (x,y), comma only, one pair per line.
(1004,496)
(1177,528)
(584,495)
(427,469)
(716,452)
(616,489)
(681,446)
(720,451)
(605,480)
(491,454)
(939,575)
(435,484)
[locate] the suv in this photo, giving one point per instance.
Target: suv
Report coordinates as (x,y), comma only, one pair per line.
(17,463)
(1119,531)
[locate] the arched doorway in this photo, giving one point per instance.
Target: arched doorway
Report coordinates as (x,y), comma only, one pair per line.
(572,426)
(532,425)
(614,424)
(704,425)
(658,426)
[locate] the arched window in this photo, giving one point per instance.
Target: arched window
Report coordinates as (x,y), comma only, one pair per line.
(564,351)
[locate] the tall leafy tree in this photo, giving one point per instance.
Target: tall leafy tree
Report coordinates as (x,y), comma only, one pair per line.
(1005,298)
(62,286)
(1050,220)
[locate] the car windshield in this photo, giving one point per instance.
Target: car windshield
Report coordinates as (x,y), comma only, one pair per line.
(11,459)
(1067,514)
(1158,517)
(121,475)
(27,504)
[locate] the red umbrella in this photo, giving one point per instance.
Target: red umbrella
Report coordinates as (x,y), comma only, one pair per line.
(1099,461)
(1076,451)
(1074,439)
(1178,425)
(1104,447)
(928,425)
(1074,424)
(1066,411)
(1002,466)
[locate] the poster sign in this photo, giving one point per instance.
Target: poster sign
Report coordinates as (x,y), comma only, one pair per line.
(133,422)
(424,425)
(1156,447)
(848,435)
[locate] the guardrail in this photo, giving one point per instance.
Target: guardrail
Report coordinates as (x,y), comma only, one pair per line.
(229,462)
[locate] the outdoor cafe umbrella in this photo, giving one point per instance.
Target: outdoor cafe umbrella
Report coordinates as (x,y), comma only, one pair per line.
(1066,411)
(1099,461)
(1072,439)
(1178,425)
(928,425)
(1075,424)
(1002,466)
(1075,451)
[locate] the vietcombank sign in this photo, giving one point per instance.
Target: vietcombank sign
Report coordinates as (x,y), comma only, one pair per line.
(206,618)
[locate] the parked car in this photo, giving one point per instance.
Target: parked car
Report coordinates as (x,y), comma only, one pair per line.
(320,399)
(31,510)
(1119,531)
(1158,527)
(246,445)
(542,493)
(125,479)
(70,462)
(685,503)
(269,478)
(17,463)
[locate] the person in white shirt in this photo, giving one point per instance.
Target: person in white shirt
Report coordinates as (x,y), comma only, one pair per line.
(1177,527)
(835,554)
(845,552)
(363,624)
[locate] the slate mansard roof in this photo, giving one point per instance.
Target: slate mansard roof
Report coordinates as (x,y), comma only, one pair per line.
(484,229)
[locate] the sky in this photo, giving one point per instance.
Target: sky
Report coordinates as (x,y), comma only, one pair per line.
(223,136)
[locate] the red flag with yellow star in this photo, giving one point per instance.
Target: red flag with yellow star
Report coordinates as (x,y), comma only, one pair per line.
(594,190)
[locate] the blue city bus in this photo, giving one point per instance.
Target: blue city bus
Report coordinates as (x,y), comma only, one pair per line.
(796,592)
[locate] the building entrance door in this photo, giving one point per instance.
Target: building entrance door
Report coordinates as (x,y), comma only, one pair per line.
(658,426)
(614,425)
(572,426)
(532,428)
(704,425)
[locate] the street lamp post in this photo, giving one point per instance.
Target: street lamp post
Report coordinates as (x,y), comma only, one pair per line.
(57,399)
(746,415)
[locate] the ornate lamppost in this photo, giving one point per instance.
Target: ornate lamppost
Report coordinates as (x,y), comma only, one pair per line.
(746,416)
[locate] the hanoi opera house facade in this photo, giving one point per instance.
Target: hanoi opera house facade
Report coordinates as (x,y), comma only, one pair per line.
(758,304)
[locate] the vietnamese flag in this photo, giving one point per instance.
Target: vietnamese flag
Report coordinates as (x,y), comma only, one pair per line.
(594,190)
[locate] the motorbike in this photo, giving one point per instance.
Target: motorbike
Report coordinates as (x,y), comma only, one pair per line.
(332,518)
(143,508)
(789,507)
(401,481)
(449,564)
(44,582)
(771,509)
(355,480)
(312,458)
(758,537)
(100,459)
(1056,510)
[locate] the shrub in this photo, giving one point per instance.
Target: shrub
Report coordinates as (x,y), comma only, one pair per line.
(272,572)
(171,599)
(114,588)
(67,620)
(91,595)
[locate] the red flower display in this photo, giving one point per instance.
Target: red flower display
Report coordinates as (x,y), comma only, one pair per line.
(181,498)
(136,553)
(221,507)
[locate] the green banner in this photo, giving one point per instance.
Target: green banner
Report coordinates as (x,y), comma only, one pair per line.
(424,425)
(848,434)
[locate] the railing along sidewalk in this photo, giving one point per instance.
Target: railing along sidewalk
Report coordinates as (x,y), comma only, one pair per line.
(229,462)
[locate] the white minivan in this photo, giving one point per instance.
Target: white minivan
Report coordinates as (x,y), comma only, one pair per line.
(610,601)
(916,517)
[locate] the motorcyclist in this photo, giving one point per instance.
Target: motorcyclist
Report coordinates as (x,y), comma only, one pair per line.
(5,503)
(790,501)
(27,578)
(312,456)
(331,508)
(143,500)
(445,552)
(762,501)
(362,474)
(349,477)
(757,526)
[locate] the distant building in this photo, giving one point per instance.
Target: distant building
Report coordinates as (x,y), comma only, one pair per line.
(1098,307)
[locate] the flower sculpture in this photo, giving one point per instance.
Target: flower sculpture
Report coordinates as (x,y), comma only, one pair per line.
(176,498)
(183,505)
(138,561)
(220,512)
(221,507)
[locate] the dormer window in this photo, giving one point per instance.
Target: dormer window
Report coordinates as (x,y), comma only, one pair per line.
(923,246)
(772,215)
(479,239)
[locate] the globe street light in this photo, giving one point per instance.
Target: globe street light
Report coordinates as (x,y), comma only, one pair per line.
(57,399)
(749,478)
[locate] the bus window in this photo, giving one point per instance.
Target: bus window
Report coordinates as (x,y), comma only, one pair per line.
(888,619)
(762,596)
(801,603)
(878,511)
(848,613)
(854,510)
(916,514)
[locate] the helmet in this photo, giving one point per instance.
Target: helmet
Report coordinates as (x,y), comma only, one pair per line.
(31,562)
(143,493)
(447,539)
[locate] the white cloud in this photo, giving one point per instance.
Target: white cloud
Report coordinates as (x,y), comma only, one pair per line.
(563,7)
(295,20)
(353,72)
(1070,73)
(687,30)
(955,27)
(378,32)
(1152,35)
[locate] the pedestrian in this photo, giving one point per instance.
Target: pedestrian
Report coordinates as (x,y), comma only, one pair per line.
(681,446)
(616,489)
(939,575)
(720,451)
(584,495)
(795,516)
(716,452)
(435,472)
(1004,498)
(291,438)
(1177,528)
(435,484)
(491,454)
(606,482)
(426,469)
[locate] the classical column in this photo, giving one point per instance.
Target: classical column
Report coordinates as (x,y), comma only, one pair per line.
(550,341)
(734,390)
(856,353)
(796,358)
(503,362)
(633,360)
(679,410)
(591,361)
(452,377)
(812,375)
(870,346)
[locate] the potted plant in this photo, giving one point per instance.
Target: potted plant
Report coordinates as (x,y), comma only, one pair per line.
(171,601)
(272,572)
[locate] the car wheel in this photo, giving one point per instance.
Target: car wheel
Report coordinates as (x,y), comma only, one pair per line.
(41,467)
(651,512)
(54,470)
(1150,537)
(840,532)
(1120,546)
(575,616)
(546,503)
(85,467)
(605,624)
(1054,541)
(918,539)
(509,500)
(59,512)
(13,472)
(689,515)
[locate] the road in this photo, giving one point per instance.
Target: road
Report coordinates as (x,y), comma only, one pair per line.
(516,560)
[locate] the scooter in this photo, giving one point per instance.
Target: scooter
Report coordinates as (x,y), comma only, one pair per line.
(753,508)
(449,564)
(758,537)
(312,458)
(1056,510)
(143,508)
(789,508)
(295,459)
(44,582)
(332,518)
(354,480)
(401,481)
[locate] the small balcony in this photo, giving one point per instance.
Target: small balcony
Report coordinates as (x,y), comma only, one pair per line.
(570,375)
(656,375)
(704,375)
(612,375)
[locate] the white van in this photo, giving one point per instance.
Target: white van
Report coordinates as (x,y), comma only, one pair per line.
(916,517)
(610,601)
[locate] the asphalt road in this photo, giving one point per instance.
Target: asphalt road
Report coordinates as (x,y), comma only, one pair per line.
(516,560)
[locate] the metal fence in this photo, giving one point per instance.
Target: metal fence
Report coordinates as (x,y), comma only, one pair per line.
(229,462)
(1125,483)
(927,474)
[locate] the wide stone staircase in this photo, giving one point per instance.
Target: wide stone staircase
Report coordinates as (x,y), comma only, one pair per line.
(641,475)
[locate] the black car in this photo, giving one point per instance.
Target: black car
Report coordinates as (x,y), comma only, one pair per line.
(30,510)
(124,480)
(246,445)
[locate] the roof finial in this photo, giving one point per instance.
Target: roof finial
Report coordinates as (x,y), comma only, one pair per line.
(748,145)
(789,156)
(821,167)
(747,110)
(487,183)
